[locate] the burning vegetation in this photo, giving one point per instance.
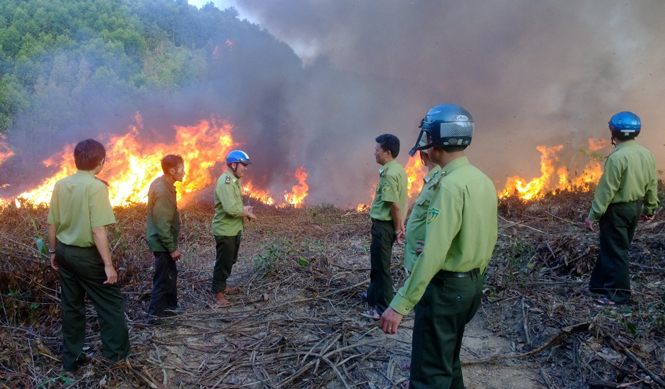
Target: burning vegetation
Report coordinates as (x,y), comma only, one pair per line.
(295,324)
(133,162)
(301,272)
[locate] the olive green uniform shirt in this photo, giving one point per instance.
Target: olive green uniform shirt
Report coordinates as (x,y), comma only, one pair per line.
(228,206)
(390,189)
(629,175)
(79,203)
(461,230)
(163,224)
(415,227)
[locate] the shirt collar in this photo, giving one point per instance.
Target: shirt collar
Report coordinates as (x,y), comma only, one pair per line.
(86,173)
(454,164)
(432,173)
(229,172)
(624,144)
(170,186)
(387,166)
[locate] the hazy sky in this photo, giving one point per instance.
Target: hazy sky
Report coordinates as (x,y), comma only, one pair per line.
(531,73)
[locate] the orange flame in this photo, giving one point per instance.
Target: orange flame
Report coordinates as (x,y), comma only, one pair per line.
(5,151)
(132,164)
(257,194)
(415,173)
(299,191)
(539,186)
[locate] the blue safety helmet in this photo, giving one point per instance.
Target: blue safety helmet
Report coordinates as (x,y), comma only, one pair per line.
(238,156)
(625,125)
(447,125)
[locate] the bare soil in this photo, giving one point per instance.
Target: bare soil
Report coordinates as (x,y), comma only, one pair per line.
(297,322)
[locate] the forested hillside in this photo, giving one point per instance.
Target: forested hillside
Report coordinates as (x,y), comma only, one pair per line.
(59,57)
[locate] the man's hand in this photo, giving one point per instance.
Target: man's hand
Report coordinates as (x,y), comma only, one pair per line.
(421,246)
(111,275)
(647,218)
(588,223)
(398,236)
(54,262)
(248,212)
(390,320)
(176,255)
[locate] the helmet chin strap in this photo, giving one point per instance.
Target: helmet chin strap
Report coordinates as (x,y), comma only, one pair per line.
(234,169)
(614,142)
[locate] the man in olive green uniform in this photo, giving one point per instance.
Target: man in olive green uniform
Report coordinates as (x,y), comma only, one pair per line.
(228,223)
(628,181)
(163,226)
(415,226)
(79,213)
(446,284)
(388,213)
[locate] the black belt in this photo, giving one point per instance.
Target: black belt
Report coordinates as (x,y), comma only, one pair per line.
(453,274)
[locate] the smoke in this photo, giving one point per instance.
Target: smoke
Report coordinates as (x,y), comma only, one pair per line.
(529,72)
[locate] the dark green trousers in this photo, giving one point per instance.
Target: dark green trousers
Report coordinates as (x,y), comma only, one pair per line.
(164,296)
(82,272)
(448,304)
(227,255)
(611,275)
(380,291)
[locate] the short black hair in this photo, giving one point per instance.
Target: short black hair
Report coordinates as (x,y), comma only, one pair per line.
(171,161)
(620,136)
(451,149)
(88,154)
(454,149)
(389,142)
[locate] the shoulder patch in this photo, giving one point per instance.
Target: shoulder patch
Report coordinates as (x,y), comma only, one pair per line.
(227,180)
(432,215)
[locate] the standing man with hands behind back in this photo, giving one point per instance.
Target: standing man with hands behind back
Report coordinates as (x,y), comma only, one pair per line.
(78,246)
(163,226)
(388,212)
(228,223)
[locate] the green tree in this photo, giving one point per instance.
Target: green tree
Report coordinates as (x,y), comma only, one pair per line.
(10,41)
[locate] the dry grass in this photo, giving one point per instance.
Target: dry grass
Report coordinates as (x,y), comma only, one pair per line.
(296,322)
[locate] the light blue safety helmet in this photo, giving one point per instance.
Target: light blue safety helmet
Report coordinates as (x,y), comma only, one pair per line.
(625,125)
(238,156)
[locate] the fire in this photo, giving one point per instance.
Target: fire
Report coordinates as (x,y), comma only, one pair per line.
(260,195)
(299,191)
(217,51)
(132,164)
(539,186)
(5,151)
(415,173)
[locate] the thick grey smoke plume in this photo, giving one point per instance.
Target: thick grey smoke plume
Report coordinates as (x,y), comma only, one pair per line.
(530,73)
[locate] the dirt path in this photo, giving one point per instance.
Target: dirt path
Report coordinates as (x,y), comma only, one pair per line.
(478,343)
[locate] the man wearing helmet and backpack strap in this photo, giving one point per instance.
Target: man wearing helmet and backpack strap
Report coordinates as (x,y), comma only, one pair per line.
(629,175)
(445,286)
(228,223)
